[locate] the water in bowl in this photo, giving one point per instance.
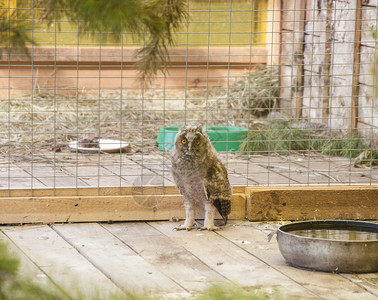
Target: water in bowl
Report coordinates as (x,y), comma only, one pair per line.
(337,234)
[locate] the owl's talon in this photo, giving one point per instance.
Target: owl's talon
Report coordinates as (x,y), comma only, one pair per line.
(182,227)
(211,228)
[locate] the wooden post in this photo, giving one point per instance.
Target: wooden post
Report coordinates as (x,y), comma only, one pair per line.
(293,15)
(312,203)
(300,11)
(356,69)
(327,64)
(273,32)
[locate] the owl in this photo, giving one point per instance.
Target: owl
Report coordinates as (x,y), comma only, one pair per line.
(200,177)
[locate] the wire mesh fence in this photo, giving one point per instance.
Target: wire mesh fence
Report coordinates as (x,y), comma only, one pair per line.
(285,90)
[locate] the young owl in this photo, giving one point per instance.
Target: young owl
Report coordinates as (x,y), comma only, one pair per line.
(200,177)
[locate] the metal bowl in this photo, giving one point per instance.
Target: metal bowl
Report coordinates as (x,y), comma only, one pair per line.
(327,252)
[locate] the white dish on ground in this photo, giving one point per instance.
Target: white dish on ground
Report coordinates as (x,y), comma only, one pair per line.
(105,145)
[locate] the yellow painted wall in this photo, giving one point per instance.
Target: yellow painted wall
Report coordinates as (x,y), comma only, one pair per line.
(212,23)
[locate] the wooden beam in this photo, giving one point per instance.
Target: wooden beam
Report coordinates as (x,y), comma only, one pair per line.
(59,71)
(63,209)
(255,203)
(293,18)
(327,64)
(273,36)
(300,11)
(127,56)
(94,191)
(309,203)
(90,191)
(356,69)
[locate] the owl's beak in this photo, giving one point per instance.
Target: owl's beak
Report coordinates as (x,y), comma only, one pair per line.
(190,148)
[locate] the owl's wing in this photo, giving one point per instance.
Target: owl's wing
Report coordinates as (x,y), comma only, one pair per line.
(216,181)
(218,189)
(177,179)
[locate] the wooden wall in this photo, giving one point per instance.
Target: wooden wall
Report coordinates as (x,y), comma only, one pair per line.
(221,40)
(327,50)
(68,70)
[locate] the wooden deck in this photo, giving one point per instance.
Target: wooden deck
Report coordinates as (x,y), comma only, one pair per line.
(68,169)
(151,257)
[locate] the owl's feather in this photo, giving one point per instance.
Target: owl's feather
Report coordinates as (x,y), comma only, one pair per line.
(218,189)
(224,208)
(200,176)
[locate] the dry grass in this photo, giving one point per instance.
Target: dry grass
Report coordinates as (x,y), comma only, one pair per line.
(47,122)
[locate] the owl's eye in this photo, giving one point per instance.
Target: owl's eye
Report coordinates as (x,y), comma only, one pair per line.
(183,141)
(197,142)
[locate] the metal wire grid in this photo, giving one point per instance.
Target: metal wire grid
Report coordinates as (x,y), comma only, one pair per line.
(91,96)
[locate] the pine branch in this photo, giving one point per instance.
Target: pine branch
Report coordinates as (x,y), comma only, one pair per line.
(154,55)
(155,19)
(13,35)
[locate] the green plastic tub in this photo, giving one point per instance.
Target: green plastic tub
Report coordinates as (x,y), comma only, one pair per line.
(223,138)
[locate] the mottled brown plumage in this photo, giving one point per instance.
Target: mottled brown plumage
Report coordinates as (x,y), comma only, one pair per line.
(200,176)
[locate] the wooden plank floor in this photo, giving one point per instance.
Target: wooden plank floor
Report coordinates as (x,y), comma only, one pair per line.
(69,169)
(152,257)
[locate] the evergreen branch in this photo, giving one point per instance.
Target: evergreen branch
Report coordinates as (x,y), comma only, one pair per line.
(13,35)
(156,19)
(154,55)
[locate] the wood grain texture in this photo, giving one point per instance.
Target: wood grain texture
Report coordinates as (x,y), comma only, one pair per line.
(356,68)
(159,250)
(300,10)
(58,209)
(313,203)
(70,69)
(90,191)
(95,191)
(90,209)
(273,32)
(337,37)
(327,64)
(343,24)
(28,270)
(367,281)
(98,257)
(60,261)
(257,203)
(232,262)
(127,55)
(117,261)
(293,18)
